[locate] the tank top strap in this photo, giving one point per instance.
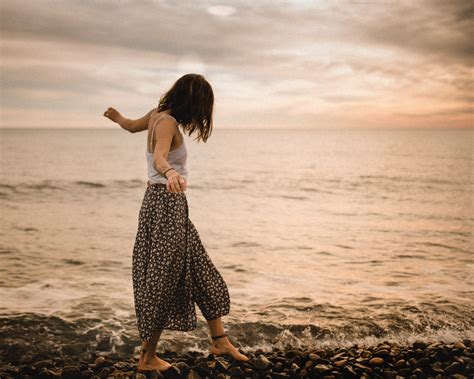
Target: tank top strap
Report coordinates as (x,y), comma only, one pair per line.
(159,118)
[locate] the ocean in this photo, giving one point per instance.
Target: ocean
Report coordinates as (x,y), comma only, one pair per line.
(325,237)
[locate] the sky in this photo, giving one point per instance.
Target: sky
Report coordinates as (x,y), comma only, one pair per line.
(272,64)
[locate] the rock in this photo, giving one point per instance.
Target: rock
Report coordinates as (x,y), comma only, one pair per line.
(388,374)
(104,372)
(28,370)
(400,363)
(313,357)
(394,352)
(279,375)
(120,365)
(70,372)
(48,363)
(376,361)
(405,371)
(278,367)
(43,373)
(323,361)
(433,345)
(340,363)
(363,361)
(418,372)
(453,368)
(221,365)
(248,371)
(182,367)
(382,353)
(293,353)
(294,366)
(320,368)
(281,360)
(363,368)
(424,362)
(443,354)
(365,354)
(235,372)
(297,359)
(262,362)
(101,363)
(88,373)
(202,368)
(211,365)
(193,375)
(349,372)
(419,345)
(340,355)
(172,373)
(459,345)
(436,368)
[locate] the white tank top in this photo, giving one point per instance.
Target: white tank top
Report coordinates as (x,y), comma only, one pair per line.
(176,159)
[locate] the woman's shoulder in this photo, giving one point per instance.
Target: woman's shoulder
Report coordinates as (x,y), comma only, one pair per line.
(156,116)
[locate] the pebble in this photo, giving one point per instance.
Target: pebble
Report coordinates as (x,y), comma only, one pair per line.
(437,360)
(341,363)
(262,362)
(376,361)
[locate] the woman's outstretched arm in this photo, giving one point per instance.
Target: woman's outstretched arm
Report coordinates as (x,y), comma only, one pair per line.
(133,126)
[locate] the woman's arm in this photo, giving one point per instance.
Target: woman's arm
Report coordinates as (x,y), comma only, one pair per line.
(133,126)
(164,136)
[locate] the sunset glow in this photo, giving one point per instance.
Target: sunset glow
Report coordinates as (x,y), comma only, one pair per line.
(300,64)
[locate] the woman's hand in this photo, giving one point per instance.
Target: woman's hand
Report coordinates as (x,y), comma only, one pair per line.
(113,114)
(176,183)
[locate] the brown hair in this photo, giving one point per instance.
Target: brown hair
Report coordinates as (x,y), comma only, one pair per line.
(191,102)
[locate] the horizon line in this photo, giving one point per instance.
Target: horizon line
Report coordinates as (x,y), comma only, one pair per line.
(249,127)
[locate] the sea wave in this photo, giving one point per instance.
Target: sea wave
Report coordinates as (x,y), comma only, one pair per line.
(32,336)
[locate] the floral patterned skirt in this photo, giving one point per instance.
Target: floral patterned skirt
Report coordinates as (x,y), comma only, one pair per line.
(171,269)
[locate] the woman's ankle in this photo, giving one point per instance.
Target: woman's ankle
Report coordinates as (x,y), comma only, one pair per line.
(221,342)
(147,355)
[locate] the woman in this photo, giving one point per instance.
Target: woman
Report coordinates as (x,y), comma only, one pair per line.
(171,269)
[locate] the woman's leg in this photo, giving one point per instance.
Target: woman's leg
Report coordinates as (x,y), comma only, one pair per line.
(148,358)
(222,345)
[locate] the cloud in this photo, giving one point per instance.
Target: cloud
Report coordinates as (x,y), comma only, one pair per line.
(435,29)
(221,10)
(266,60)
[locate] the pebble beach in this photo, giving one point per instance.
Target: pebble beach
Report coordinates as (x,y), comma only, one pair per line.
(385,360)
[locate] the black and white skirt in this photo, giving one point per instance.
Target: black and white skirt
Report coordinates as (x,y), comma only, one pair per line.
(171,269)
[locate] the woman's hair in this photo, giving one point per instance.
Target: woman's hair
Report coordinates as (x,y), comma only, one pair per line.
(191,102)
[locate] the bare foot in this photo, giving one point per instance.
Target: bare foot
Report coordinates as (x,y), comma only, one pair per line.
(222,346)
(154,363)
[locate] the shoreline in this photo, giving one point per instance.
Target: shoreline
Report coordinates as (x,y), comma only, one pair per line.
(385,360)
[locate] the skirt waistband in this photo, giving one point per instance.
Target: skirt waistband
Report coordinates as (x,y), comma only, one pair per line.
(149,184)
